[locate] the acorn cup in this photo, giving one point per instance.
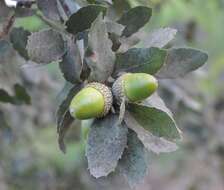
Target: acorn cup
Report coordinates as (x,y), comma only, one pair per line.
(134,87)
(93,101)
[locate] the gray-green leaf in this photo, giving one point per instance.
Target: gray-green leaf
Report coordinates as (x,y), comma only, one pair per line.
(71,64)
(46,46)
(159,37)
(147,60)
(135,19)
(64,119)
(99,56)
(155,119)
(49,9)
(20,97)
(106,143)
(113,27)
(18,38)
(83,18)
(181,61)
(134,162)
(152,142)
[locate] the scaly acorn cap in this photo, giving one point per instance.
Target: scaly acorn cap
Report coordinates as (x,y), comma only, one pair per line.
(134,87)
(95,100)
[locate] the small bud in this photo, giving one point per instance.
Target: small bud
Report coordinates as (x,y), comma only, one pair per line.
(94,100)
(134,87)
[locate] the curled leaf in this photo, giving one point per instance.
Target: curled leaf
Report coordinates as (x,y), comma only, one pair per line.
(64,119)
(99,56)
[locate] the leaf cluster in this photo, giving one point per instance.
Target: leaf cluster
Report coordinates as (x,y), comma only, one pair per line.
(91,46)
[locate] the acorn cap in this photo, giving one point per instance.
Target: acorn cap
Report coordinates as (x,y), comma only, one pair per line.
(118,89)
(134,87)
(107,94)
(95,100)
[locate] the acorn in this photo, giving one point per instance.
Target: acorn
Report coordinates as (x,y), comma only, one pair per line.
(134,87)
(93,101)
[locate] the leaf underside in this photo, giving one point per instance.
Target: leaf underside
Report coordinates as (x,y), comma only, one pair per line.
(46,46)
(151,142)
(154,124)
(159,37)
(49,9)
(106,142)
(99,56)
(134,162)
(181,61)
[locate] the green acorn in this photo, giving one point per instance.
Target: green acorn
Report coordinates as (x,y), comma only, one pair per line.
(134,87)
(95,100)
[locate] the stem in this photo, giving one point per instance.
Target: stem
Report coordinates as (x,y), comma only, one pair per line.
(8,25)
(52,24)
(65,8)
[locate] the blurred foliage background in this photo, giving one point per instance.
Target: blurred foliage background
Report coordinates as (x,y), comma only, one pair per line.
(30,157)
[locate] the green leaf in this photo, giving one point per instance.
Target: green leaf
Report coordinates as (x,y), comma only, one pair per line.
(151,142)
(83,18)
(18,38)
(134,162)
(71,64)
(181,61)
(64,127)
(46,46)
(49,9)
(159,37)
(21,94)
(5,97)
(155,119)
(135,19)
(99,56)
(64,119)
(106,143)
(154,124)
(147,60)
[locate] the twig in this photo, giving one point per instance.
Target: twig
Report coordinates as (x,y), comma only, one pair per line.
(7,26)
(52,24)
